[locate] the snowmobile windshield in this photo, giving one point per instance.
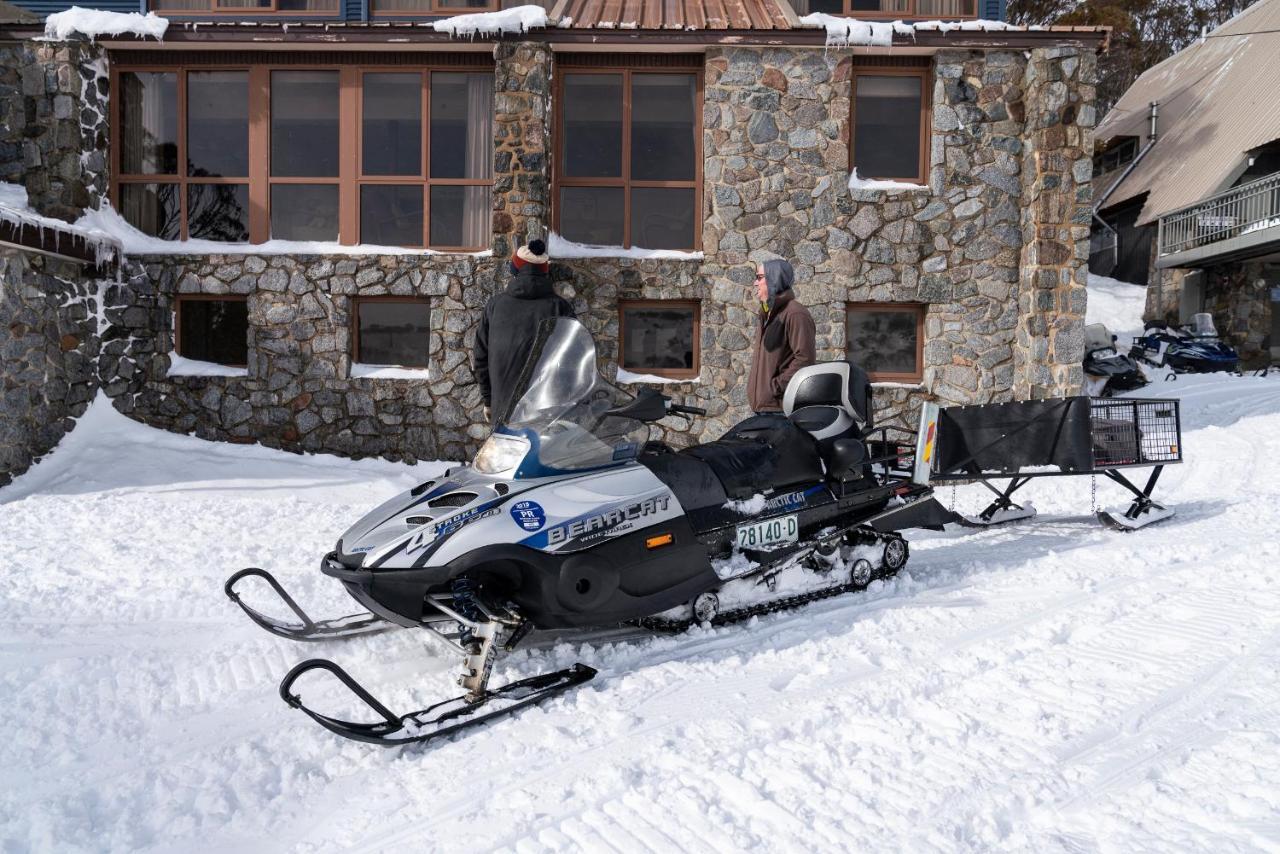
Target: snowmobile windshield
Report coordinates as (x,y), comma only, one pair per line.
(562,407)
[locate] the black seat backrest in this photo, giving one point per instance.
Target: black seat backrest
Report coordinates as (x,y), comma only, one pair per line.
(824,389)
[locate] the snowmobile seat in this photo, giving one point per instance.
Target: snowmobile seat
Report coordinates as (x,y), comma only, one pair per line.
(762,453)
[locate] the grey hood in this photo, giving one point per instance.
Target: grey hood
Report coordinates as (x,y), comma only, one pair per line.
(779,276)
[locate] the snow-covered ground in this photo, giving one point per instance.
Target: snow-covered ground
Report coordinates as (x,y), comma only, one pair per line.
(1046,686)
(1116,305)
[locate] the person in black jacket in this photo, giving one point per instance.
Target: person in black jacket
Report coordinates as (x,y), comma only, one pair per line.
(510,323)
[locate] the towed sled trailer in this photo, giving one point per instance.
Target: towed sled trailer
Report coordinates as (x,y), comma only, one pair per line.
(1059,437)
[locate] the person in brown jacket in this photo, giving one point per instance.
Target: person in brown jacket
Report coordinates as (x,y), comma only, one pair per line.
(784,341)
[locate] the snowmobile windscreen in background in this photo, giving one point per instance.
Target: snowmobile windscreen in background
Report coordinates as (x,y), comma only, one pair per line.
(562,408)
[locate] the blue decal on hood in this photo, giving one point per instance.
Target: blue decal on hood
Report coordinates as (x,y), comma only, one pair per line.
(528,515)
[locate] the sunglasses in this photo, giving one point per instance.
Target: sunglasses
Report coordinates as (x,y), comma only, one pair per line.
(759,276)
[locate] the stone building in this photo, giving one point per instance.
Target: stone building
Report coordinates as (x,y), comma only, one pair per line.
(327,205)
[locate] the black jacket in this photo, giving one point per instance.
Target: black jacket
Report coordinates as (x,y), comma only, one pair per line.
(507,329)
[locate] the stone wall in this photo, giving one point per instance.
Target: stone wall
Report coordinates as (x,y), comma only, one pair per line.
(522,115)
(48,346)
(53,124)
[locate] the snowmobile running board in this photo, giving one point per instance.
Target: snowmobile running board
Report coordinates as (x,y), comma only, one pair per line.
(351,625)
(440,720)
(1058,437)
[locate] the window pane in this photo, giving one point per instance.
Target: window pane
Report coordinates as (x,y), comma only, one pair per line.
(661,218)
(945,8)
(307,5)
(148,123)
(887,133)
(391,215)
(162,6)
(304,124)
(827,7)
(152,209)
(883,341)
(662,124)
(460,216)
(218,212)
(657,338)
(391,142)
(591,215)
(464,4)
(214,330)
(218,124)
(884,6)
(593,125)
(243,4)
(461,125)
(394,333)
(304,212)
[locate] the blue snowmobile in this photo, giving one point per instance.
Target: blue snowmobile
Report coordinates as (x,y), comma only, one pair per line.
(1191,349)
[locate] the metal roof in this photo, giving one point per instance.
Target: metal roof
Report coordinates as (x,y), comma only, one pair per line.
(1219,98)
(676,14)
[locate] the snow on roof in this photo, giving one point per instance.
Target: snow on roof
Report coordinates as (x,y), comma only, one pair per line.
(1219,98)
(842,32)
(521,19)
(16,209)
(93,23)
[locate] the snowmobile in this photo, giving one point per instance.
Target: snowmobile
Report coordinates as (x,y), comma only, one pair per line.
(1193,348)
(1106,370)
(569,518)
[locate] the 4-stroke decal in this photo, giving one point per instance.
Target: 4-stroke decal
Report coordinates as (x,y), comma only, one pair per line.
(444,528)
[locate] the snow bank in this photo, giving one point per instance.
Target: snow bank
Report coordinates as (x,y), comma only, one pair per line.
(856,183)
(180,366)
(94,23)
(625,376)
(107,221)
(521,19)
(388,372)
(558,247)
(846,32)
(15,207)
(1116,305)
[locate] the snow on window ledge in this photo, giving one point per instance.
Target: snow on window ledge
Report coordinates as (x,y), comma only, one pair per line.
(625,376)
(107,222)
(388,372)
(559,248)
(180,366)
(917,386)
(93,23)
(856,183)
(521,19)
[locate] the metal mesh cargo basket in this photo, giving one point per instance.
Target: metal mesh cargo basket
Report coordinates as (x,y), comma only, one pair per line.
(1134,432)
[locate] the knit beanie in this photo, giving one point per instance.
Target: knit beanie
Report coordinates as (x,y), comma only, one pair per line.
(535,253)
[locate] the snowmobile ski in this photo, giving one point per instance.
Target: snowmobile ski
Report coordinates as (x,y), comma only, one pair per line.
(440,720)
(1132,519)
(351,625)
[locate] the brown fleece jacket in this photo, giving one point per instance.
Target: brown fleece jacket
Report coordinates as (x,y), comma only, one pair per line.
(784,345)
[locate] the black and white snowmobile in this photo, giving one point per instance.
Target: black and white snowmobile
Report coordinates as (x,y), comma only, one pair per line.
(568,518)
(1194,348)
(1106,370)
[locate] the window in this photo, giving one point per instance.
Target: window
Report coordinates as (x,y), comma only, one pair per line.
(629,168)
(887,340)
(391,331)
(1119,154)
(660,337)
(212,329)
(380,155)
(245,7)
(947,9)
(890,127)
(400,8)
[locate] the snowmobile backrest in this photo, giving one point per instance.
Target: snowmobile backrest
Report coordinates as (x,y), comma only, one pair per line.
(1096,337)
(839,384)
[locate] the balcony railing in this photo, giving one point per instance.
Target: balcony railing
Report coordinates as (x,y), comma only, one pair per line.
(1238,215)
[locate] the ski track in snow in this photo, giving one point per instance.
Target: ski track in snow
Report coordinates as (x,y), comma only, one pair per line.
(1049,685)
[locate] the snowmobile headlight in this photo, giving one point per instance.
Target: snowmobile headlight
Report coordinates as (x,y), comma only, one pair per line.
(500,453)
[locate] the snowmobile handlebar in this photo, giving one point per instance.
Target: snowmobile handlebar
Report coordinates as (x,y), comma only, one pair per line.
(685,410)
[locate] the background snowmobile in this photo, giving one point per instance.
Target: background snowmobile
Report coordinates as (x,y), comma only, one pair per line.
(1106,370)
(1194,348)
(569,519)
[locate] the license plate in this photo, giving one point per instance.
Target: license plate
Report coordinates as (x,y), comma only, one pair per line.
(768,534)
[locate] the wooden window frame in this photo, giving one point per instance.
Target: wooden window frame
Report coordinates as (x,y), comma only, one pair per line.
(434,10)
(667,373)
(920,310)
(178,301)
(559,180)
(926,116)
(912,12)
(215,8)
(259,180)
(358,301)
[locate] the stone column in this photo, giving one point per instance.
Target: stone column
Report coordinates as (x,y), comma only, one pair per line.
(1056,196)
(522,140)
(53,124)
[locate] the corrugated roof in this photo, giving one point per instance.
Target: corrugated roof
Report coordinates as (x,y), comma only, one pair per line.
(677,14)
(1218,99)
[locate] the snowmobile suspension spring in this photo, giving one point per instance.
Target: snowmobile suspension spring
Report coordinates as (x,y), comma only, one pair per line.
(466,601)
